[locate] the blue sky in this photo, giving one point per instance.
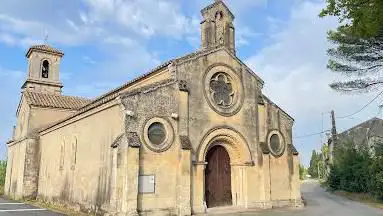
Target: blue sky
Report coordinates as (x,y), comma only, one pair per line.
(107,42)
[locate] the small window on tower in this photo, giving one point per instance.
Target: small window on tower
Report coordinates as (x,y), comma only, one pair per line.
(218,15)
(45,69)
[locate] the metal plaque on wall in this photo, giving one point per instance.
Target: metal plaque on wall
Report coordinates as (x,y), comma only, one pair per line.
(146,184)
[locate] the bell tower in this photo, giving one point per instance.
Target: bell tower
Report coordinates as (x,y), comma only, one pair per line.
(217,28)
(43,70)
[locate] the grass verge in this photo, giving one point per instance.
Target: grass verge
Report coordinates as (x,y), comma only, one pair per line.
(361,197)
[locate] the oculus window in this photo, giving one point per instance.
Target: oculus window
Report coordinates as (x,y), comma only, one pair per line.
(276,143)
(156,133)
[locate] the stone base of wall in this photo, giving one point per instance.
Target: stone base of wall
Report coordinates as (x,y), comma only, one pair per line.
(287,203)
(275,204)
(77,207)
(159,212)
(255,206)
(172,211)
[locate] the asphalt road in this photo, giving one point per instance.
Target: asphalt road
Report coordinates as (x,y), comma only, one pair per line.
(319,203)
(322,203)
(11,208)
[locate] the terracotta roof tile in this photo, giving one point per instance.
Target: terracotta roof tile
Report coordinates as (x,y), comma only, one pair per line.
(55,101)
(46,48)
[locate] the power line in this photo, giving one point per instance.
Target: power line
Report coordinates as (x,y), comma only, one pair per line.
(309,135)
(347,116)
(342,117)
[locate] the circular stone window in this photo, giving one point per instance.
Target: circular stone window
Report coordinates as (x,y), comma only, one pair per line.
(223,90)
(158,134)
(276,145)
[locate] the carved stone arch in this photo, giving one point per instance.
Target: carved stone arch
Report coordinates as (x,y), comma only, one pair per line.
(234,143)
(223,65)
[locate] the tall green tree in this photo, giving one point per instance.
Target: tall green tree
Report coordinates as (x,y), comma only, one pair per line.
(358,41)
(313,169)
(3,168)
(302,172)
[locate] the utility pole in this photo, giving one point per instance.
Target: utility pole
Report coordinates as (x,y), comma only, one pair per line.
(334,139)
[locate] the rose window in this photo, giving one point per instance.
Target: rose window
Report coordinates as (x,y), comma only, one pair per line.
(222,91)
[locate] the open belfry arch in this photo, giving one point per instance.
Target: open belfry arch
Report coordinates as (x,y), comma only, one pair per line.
(191,135)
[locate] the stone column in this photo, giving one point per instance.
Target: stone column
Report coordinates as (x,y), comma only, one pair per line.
(267,177)
(184,166)
(127,183)
(132,180)
(239,185)
(113,181)
(198,201)
(31,168)
(184,184)
(296,185)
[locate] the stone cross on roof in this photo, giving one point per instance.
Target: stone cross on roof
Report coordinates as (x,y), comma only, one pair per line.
(46,37)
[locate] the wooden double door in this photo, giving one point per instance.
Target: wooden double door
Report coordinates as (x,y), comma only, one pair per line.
(218,178)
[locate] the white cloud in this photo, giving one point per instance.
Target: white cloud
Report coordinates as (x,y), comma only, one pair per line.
(119,40)
(244,35)
(7,39)
(294,69)
(144,17)
(88,60)
(26,32)
(11,74)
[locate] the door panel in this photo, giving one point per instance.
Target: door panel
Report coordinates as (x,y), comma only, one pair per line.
(218,178)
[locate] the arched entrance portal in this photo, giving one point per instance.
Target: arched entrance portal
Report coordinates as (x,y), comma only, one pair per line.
(218,177)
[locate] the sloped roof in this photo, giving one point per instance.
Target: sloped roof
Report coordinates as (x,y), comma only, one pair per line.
(109,96)
(215,4)
(371,123)
(44,48)
(115,92)
(271,102)
(55,101)
(359,133)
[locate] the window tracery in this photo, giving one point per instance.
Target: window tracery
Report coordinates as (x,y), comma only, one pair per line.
(221,90)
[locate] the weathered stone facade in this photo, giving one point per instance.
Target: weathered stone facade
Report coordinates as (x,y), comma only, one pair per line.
(142,148)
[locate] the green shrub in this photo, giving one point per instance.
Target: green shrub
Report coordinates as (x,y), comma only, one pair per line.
(3,169)
(357,170)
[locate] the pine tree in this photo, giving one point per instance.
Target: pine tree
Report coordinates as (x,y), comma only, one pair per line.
(359,43)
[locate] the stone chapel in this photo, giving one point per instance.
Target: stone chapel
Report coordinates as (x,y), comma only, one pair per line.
(190,136)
